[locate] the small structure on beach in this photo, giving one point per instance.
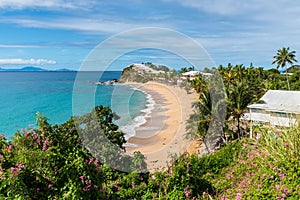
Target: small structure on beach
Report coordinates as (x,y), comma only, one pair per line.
(276,108)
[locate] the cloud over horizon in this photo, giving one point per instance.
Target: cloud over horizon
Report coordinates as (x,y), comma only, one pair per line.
(48,4)
(20,61)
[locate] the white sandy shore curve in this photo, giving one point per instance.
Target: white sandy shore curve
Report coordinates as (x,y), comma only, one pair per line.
(163,135)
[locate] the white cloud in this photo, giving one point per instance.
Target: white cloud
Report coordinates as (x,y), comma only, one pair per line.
(233,7)
(46,4)
(18,46)
(88,25)
(19,61)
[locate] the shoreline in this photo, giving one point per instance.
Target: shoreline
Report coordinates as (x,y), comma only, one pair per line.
(163,133)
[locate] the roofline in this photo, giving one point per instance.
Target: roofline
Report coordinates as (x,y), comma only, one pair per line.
(276,110)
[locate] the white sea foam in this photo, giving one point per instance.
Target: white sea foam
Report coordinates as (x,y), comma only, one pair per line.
(138,121)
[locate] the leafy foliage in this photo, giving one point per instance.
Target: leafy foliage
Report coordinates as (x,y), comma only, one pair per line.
(268,169)
(51,162)
(283,57)
(243,86)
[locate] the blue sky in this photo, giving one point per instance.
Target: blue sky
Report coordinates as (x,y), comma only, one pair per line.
(56,34)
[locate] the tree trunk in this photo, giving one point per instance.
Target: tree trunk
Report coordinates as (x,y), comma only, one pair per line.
(287,78)
(239,129)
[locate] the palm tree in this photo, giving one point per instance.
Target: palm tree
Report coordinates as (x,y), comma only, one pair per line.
(283,57)
(240,95)
(184,69)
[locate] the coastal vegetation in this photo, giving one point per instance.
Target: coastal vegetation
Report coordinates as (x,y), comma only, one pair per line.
(49,162)
(74,160)
(283,57)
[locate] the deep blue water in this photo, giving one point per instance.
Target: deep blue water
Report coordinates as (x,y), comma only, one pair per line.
(23,94)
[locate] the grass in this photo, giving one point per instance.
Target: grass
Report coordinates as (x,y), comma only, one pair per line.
(264,169)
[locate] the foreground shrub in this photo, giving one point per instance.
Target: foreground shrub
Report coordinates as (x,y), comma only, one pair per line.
(50,162)
(268,168)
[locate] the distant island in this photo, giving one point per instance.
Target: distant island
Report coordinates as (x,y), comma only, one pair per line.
(32,69)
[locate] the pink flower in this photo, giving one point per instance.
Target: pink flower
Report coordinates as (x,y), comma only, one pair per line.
(285,190)
(88,182)
(14,171)
(1,156)
(90,161)
(50,185)
(281,175)
(187,193)
(238,196)
(278,187)
(228,176)
(286,144)
(34,136)
(133,185)
(38,141)
(9,148)
(20,166)
(99,169)
(224,198)
(96,162)
(81,177)
(86,188)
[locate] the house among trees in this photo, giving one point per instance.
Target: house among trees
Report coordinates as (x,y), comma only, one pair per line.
(193,74)
(277,108)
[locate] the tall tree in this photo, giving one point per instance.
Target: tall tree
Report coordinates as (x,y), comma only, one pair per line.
(283,57)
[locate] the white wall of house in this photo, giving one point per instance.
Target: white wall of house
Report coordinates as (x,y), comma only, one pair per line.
(282,121)
(272,118)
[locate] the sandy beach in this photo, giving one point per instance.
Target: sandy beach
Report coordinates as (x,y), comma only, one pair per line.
(163,135)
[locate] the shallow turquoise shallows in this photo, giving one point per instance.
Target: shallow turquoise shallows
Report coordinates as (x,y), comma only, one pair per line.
(23,94)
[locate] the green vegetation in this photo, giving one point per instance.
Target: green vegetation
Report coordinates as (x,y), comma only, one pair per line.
(283,57)
(164,74)
(243,86)
(187,69)
(84,158)
(50,163)
(267,169)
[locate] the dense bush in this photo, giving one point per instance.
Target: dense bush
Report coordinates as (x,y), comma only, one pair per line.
(51,162)
(268,169)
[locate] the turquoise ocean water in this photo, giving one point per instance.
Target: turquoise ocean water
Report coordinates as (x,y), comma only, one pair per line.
(23,94)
